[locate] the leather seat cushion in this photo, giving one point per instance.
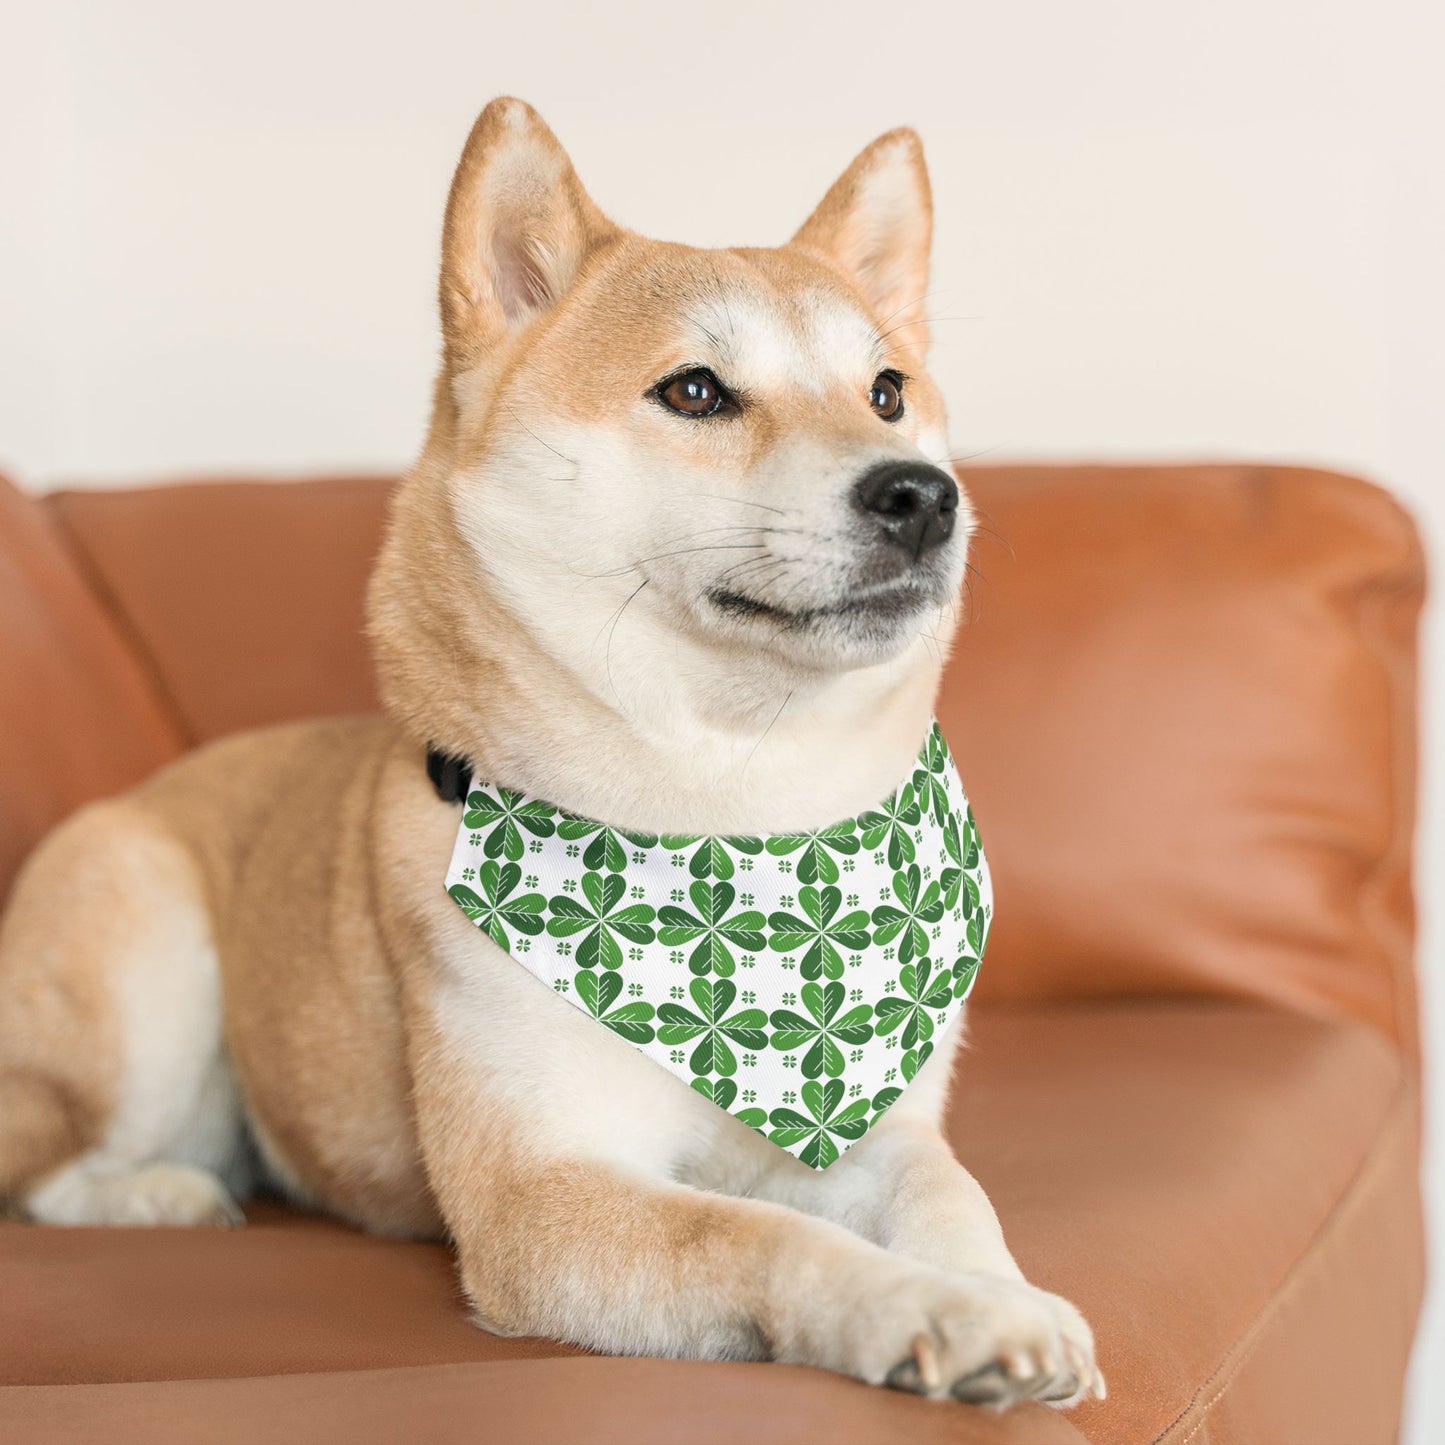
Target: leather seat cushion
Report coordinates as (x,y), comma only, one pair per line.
(1193,1176)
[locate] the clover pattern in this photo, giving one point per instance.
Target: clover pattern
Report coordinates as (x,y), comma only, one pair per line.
(714,926)
(599,991)
(907,916)
(816,862)
(889,827)
(930,781)
(712,1026)
(597,914)
(824,1030)
(919,991)
(820,933)
(857,944)
(499,905)
(814,1135)
(500,818)
(713,858)
(607,848)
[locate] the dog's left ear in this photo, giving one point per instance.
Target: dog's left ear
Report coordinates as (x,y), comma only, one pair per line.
(877,223)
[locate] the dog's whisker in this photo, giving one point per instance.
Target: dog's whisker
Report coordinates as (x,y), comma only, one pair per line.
(762,580)
(781,563)
(571,461)
(914,321)
(785,602)
(658,556)
(750,528)
(916,301)
(966,456)
(742,502)
(991,530)
(764,734)
(734,569)
(607,654)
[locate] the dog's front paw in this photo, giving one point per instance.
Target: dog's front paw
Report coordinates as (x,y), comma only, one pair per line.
(982,1338)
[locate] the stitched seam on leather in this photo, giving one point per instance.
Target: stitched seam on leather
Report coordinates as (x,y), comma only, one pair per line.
(1241,1352)
(124,623)
(1403,587)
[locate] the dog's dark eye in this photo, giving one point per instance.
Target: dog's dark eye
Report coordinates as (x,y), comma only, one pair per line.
(886,397)
(694,393)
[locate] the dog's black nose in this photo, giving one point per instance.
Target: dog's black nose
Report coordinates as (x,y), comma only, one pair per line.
(915,504)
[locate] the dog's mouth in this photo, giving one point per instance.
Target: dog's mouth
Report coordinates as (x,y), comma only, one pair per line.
(886,604)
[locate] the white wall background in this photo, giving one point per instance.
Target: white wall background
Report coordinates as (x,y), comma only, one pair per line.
(1163,228)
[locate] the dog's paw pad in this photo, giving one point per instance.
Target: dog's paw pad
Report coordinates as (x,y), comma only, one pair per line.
(988,1386)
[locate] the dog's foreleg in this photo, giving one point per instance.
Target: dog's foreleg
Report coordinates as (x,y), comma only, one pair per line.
(587,1253)
(563,1229)
(901,1188)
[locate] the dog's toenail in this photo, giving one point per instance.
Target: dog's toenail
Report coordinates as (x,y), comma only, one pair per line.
(1021,1365)
(927,1357)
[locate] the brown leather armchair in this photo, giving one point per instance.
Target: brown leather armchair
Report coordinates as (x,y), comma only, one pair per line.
(1185,708)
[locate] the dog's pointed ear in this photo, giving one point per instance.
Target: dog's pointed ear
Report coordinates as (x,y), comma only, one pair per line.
(877,223)
(518,228)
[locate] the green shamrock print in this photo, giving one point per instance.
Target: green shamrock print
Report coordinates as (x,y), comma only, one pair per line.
(916,907)
(967,964)
(921,992)
(963,972)
(892,824)
(950,879)
(495,906)
(599,992)
(929,781)
(712,1026)
(914,1060)
(816,863)
(608,848)
(600,917)
(713,926)
(883,1100)
(724,1093)
(957,880)
(971,852)
(820,933)
(977,933)
(506,814)
(821,1033)
(817,1132)
(712,859)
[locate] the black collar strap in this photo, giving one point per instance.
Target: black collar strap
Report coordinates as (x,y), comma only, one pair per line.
(451,776)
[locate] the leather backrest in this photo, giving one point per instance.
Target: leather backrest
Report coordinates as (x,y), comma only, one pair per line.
(78,714)
(248,595)
(1184,708)
(1183,705)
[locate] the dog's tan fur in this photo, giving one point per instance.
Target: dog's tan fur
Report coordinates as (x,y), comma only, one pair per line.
(252,954)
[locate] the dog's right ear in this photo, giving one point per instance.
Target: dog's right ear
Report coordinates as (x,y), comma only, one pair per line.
(518,228)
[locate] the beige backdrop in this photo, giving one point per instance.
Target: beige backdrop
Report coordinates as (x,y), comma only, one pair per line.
(1164,228)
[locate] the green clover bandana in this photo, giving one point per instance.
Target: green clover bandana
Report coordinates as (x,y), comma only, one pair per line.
(795,979)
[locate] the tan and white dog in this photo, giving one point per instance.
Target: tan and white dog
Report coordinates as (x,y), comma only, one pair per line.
(675,555)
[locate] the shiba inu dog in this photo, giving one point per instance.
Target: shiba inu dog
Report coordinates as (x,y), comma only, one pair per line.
(677,555)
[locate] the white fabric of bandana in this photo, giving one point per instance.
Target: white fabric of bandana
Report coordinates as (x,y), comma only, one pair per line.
(796,980)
